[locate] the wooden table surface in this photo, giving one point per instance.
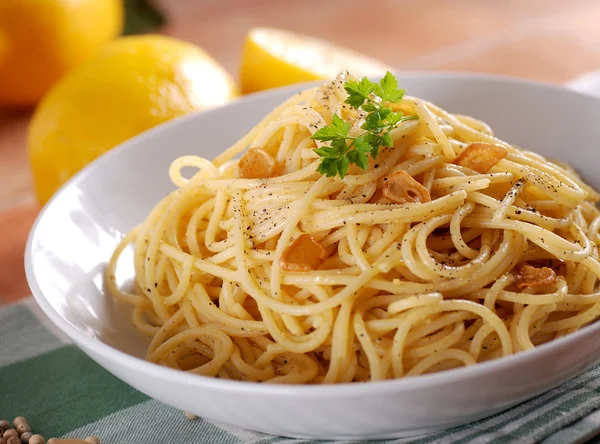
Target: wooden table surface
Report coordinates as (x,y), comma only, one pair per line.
(549,40)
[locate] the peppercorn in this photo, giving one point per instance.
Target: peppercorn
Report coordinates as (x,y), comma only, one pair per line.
(25,437)
(9,433)
(13,440)
(93,439)
(37,439)
(4,426)
(23,428)
(21,425)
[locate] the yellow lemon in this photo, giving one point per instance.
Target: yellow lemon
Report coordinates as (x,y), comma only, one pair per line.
(41,40)
(133,84)
(273,57)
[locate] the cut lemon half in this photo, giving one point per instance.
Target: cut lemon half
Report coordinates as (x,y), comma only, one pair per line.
(273,57)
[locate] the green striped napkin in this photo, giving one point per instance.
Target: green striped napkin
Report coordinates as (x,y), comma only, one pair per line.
(63,393)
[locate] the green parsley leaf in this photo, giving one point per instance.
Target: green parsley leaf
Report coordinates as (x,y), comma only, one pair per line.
(358,158)
(343,164)
(369,107)
(388,89)
(327,151)
(358,92)
(362,145)
(407,118)
(384,113)
(375,140)
(373,122)
(344,150)
(387,140)
(394,118)
(328,167)
(352,156)
(338,128)
(340,146)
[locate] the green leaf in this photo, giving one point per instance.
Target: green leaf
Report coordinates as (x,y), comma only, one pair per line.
(358,158)
(384,113)
(375,140)
(328,167)
(413,117)
(338,128)
(340,125)
(358,92)
(373,123)
(141,16)
(322,168)
(387,140)
(342,166)
(394,118)
(327,152)
(388,89)
(340,146)
(369,107)
(374,152)
(362,145)
(362,161)
(333,168)
(351,155)
(325,134)
(344,150)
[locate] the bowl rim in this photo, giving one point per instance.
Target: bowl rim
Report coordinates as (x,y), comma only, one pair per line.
(111,354)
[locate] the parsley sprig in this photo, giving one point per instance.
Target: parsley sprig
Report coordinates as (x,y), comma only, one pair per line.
(343,149)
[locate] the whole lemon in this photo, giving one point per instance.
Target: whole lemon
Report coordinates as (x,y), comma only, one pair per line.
(133,84)
(42,40)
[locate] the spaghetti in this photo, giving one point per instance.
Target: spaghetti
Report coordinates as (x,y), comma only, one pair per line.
(452,248)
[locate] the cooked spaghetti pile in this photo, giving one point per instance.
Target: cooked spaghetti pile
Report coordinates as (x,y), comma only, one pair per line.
(451,247)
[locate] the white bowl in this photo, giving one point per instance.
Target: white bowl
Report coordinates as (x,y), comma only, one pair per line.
(77,231)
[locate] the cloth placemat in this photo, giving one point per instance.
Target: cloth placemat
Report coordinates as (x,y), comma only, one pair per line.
(63,393)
